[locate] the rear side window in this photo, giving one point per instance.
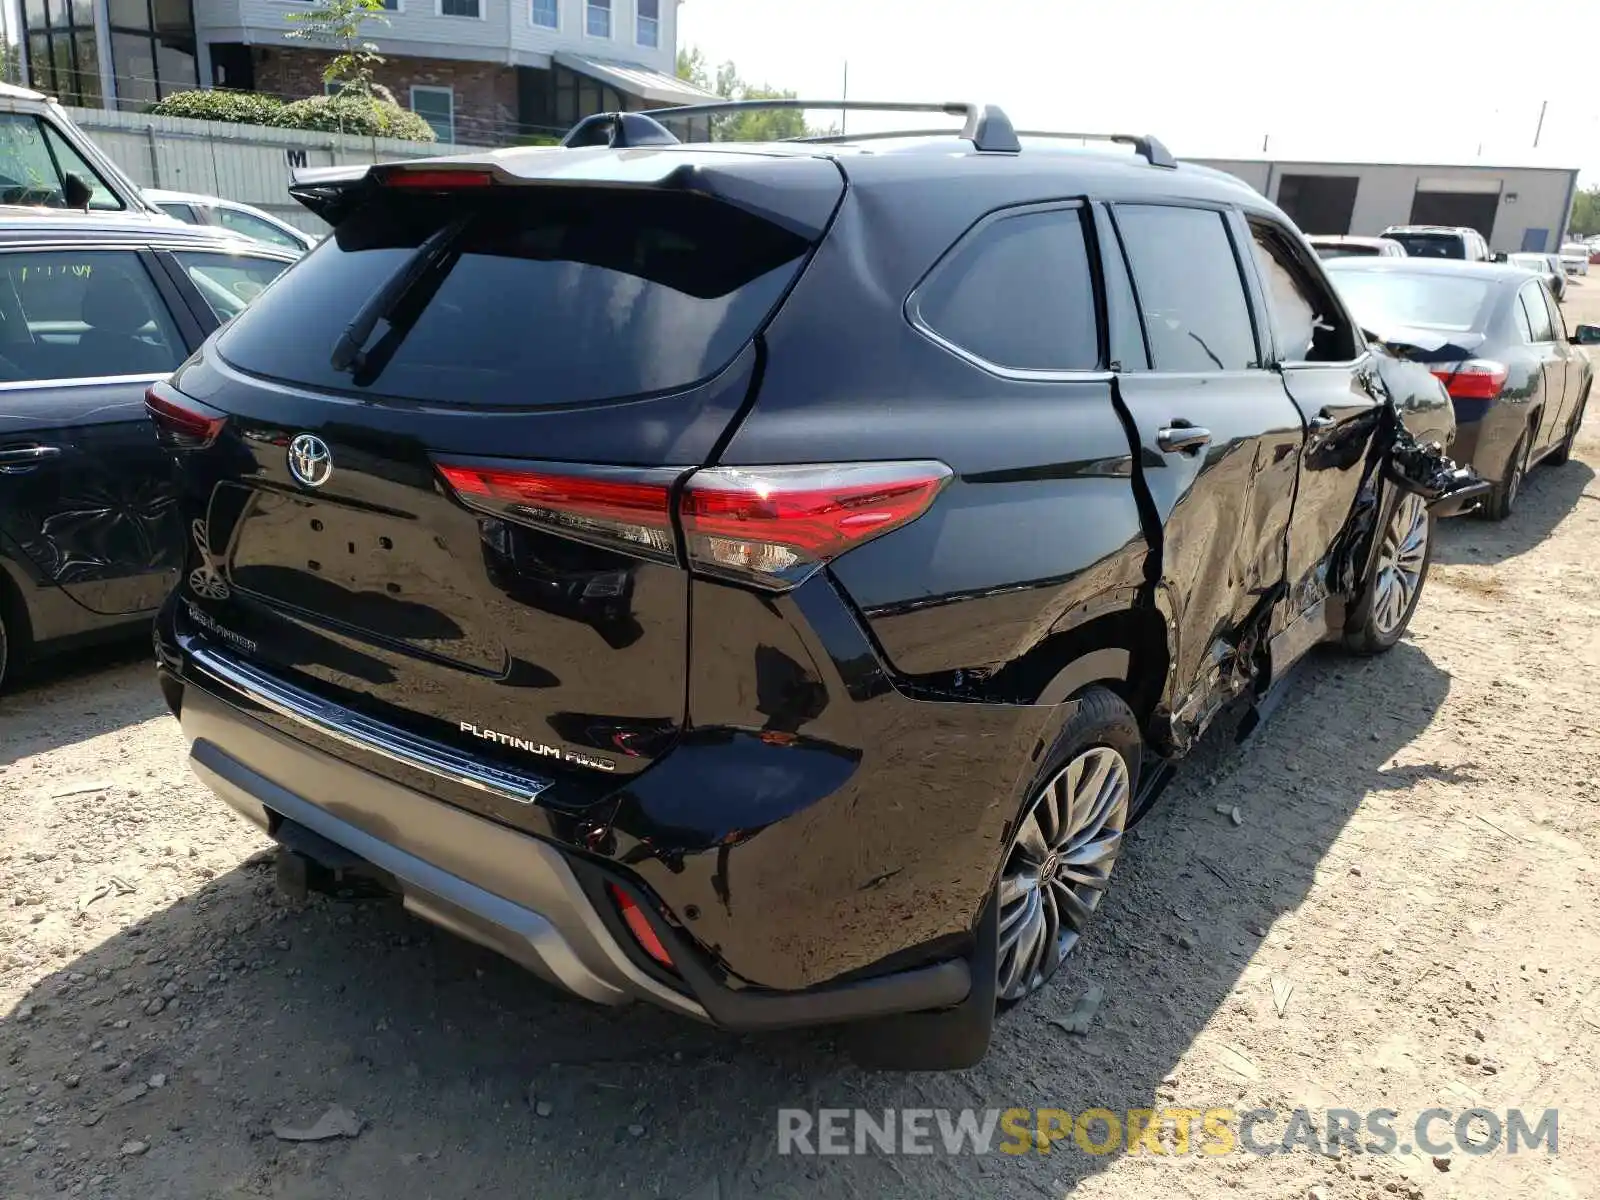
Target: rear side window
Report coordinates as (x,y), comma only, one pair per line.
(181,212)
(1519,318)
(1189,287)
(228,282)
(539,297)
(1558,324)
(1017,293)
(254,227)
(1538,315)
(82,315)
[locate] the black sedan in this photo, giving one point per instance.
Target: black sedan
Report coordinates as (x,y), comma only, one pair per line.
(1495,338)
(94,309)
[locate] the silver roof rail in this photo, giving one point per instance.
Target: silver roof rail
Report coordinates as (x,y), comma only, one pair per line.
(987,127)
(1145,145)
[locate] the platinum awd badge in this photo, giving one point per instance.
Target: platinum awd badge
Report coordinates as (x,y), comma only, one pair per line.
(593,762)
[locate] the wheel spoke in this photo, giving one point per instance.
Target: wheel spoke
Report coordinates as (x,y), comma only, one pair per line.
(1013,888)
(1031,841)
(1098,849)
(1061,862)
(1073,910)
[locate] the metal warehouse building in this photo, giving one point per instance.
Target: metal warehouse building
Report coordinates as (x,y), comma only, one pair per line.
(1515,208)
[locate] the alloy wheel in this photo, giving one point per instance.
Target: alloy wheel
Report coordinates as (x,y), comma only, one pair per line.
(1400,561)
(1059,867)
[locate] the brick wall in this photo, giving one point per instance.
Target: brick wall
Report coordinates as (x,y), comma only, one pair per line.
(485,93)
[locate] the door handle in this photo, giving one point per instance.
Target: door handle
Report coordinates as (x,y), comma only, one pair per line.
(1180,438)
(17,459)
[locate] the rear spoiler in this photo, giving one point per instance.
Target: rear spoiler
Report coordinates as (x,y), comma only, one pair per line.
(798,193)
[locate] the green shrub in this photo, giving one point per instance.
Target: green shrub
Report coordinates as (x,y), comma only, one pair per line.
(241,108)
(351,114)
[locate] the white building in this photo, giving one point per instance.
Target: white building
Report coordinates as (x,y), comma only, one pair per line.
(485,71)
(1514,207)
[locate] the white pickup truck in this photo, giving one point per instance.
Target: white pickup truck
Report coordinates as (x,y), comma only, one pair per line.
(47,162)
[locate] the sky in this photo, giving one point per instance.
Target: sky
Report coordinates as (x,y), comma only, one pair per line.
(1417,81)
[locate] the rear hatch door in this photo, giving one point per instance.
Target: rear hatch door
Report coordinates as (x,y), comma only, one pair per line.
(452,514)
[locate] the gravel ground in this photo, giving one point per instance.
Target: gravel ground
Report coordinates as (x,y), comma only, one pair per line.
(1417,860)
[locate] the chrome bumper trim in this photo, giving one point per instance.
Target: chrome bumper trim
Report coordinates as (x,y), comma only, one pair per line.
(364,733)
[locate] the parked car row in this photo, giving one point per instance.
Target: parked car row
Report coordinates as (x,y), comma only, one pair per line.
(601,565)
(47,162)
(1494,335)
(93,309)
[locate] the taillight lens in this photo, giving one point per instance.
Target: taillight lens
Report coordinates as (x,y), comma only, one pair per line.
(639,925)
(1475,379)
(774,526)
(768,526)
(182,423)
(612,507)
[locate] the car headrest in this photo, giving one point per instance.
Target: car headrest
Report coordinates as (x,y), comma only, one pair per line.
(114,302)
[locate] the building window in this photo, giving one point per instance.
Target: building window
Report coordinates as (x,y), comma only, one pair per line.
(649,24)
(63,58)
(546,14)
(598,20)
(436,106)
(152,51)
(461,8)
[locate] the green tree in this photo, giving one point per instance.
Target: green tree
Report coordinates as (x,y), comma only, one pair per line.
(1586,212)
(761,126)
(339,25)
(11,63)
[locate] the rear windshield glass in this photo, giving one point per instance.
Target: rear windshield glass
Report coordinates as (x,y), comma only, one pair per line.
(1385,300)
(539,297)
(1431,245)
(1346,250)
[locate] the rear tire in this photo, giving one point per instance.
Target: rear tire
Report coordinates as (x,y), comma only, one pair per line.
(1502,501)
(1066,842)
(1384,612)
(1563,453)
(957,1038)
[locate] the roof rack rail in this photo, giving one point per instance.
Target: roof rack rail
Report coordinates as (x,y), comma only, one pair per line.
(1147,146)
(987,126)
(619,130)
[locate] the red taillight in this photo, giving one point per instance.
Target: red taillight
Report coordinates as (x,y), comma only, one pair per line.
(773,526)
(639,925)
(427,179)
(610,507)
(770,526)
(1475,379)
(180,422)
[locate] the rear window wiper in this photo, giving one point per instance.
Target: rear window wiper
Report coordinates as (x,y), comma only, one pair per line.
(428,258)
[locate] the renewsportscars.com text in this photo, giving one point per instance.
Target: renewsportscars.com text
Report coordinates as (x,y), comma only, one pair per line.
(1165,1131)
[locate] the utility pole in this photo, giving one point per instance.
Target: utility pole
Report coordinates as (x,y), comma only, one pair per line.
(1265,138)
(844,94)
(1539,128)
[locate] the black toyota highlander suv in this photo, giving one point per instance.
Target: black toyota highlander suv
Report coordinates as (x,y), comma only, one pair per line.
(766,580)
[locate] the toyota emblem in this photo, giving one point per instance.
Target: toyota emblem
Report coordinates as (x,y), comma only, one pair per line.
(310,460)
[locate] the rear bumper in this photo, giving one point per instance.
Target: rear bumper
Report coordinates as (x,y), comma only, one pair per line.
(510,892)
(538,903)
